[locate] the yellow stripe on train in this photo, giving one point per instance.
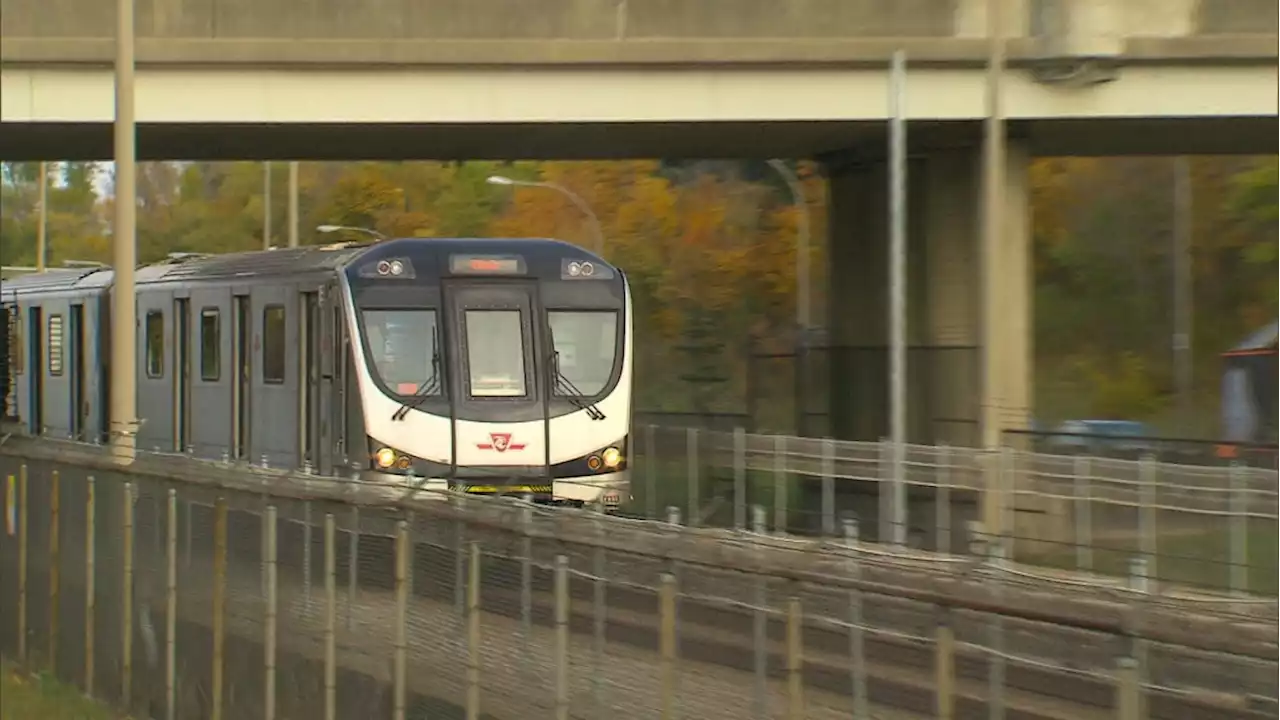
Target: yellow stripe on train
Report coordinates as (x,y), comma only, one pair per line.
(516,489)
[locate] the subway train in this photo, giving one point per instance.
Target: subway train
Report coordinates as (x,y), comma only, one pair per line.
(478,365)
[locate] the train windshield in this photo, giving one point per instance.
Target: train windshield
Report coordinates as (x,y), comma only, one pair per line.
(586,343)
(495,353)
(401,342)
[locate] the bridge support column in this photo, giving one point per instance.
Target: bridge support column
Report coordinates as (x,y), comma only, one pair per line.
(969,351)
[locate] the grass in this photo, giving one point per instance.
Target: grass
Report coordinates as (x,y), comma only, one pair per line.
(24,696)
(1196,559)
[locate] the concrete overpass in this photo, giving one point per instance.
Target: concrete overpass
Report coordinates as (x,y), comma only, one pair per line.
(453,79)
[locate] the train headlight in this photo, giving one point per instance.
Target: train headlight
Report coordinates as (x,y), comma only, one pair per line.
(611,457)
(385,458)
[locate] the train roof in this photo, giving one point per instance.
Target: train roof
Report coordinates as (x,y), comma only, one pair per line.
(289,261)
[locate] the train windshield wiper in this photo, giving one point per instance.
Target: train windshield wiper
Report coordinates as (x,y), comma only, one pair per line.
(426,389)
(570,392)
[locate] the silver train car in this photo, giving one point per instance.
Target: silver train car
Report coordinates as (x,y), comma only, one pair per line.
(480,365)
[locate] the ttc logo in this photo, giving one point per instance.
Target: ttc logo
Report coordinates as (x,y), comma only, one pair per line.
(500,442)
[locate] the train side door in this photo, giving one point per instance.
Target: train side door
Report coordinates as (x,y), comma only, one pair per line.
(241,353)
(182,374)
(35,369)
(309,380)
(326,362)
(75,353)
(100,334)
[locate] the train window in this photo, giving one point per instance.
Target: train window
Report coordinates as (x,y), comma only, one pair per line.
(587,343)
(155,343)
(210,345)
(55,344)
(495,353)
(401,344)
(273,348)
(15,339)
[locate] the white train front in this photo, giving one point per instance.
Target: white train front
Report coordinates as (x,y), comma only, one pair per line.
(494,365)
(480,365)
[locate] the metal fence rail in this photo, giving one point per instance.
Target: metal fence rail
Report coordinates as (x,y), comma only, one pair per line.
(1201,526)
(181,589)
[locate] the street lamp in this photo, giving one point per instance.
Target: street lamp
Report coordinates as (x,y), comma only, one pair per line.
(577,201)
(338,228)
(803,291)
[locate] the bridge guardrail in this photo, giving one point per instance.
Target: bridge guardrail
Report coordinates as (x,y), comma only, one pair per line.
(203,585)
(1204,526)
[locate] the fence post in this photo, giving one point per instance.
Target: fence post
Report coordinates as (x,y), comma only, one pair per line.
(1129,680)
(306,555)
(330,618)
(884,492)
(1139,582)
(667,645)
(269,624)
(1084,514)
(828,487)
(22,564)
(695,497)
(857,657)
(219,602)
(1239,532)
(126,601)
(946,665)
(650,474)
(90,589)
(526,578)
(353,554)
(171,609)
(55,567)
(780,484)
(995,671)
(473,633)
(402,605)
(942,501)
(459,562)
(760,642)
(1147,532)
(739,479)
(795,659)
(562,636)
(598,620)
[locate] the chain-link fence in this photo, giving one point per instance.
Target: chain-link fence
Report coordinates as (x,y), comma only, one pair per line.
(209,590)
(1209,527)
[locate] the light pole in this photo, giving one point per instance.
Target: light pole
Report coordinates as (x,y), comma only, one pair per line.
(124,245)
(339,228)
(803,290)
(577,201)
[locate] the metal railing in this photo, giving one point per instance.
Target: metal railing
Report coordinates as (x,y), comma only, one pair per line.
(238,592)
(1209,527)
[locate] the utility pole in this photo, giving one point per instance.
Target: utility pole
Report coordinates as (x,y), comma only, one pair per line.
(266,205)
(898,291)
(992,227)
(991,268)
(42,229)
(1183,292)
(293,204)
(124,245)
